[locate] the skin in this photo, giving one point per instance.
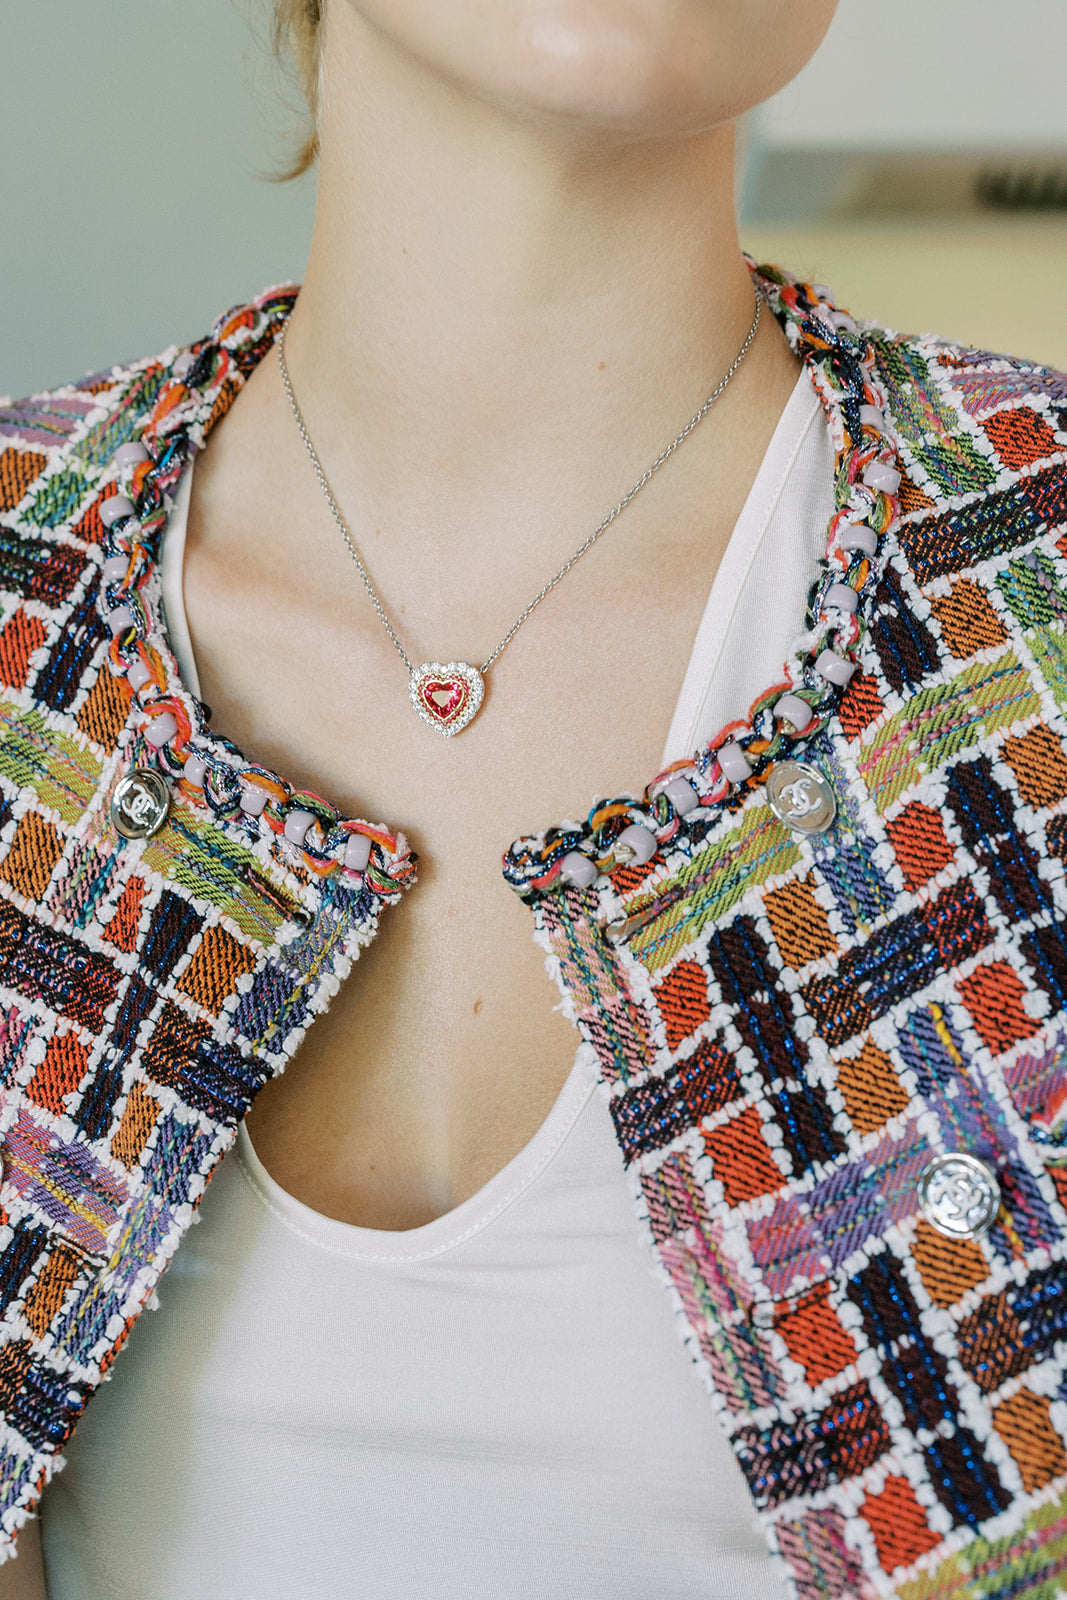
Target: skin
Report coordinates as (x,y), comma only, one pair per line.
(23,1578)
(524,278)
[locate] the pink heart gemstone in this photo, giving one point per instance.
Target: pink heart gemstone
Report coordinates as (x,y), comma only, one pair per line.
(445,698)
(446,694)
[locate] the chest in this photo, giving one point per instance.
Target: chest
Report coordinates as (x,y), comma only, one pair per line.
(444,1051)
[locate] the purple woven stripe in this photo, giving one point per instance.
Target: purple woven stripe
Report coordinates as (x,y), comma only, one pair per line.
(854,1205)
(64,1182)
(1039,1082)
(43,424)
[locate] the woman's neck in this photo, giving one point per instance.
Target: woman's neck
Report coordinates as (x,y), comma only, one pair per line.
(491,305)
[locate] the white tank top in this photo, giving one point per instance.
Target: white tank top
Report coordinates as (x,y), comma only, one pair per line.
(499,1403)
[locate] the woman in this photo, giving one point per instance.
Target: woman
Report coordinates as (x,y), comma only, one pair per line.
(415,1342)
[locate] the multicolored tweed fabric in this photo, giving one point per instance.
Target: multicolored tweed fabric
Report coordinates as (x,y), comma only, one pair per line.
(789,1024)
(792,1025)
(148,987)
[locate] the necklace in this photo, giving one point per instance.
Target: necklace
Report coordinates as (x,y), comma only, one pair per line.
(447,695)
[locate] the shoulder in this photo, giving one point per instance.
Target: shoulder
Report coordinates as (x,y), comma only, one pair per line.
(55,446)
(982,444)
(967,423)
(58,446)
(970,421)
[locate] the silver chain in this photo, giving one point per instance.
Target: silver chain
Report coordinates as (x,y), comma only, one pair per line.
(557,577)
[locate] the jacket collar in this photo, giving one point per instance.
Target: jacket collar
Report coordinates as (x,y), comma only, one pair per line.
(197,387)
(788,716)
(304,835)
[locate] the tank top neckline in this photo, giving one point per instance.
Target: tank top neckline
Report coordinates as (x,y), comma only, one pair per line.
(454,1227)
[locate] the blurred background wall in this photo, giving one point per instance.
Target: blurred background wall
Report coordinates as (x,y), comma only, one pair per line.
(135,140)
(918,165)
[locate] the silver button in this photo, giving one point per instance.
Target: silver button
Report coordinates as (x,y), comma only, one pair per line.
(140,803)
(801,797)
(959,1196)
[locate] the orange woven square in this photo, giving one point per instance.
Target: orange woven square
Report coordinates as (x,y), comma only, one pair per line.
(912,498)
(1025,1425)
(49,1290)
(968,621)
(103,716)
(31,860)
(18,468)
(918,839)
(122,929)
(873,1092)
(994,996)
(683,1001)
(742,1162)
(1020,436)
(860,706)
(799,923)
(814,1335)
(133,1132)
(61,1071)
(211,976)
(898,1522)
(20,637)
(948,1267)
(1040,766)
(89,527)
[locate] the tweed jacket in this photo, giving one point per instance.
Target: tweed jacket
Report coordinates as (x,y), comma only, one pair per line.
(792,1021)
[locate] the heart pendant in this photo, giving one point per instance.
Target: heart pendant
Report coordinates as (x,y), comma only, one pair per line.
(446,696)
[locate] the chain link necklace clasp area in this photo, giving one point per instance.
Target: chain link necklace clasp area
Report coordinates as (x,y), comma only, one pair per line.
(447,694)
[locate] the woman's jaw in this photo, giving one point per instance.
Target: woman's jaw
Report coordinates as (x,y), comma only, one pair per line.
(588,70)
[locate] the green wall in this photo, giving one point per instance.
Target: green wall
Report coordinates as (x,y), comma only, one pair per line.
(135,136)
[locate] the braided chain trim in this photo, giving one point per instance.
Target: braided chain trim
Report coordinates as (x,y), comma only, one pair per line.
(204,381)
(842,366)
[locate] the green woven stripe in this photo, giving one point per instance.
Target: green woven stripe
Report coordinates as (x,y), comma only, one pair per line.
(62,773)
(589,974)
(123,419)
(1049,649)
(1033,591)
(216,868)
(57,499)
(931,426)
(1029,1565)
(760,847)
(941,721)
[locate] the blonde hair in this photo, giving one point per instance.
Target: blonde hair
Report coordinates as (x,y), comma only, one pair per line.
(296,33)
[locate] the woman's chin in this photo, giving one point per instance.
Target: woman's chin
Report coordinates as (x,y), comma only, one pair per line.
(638,68)
(628,78)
